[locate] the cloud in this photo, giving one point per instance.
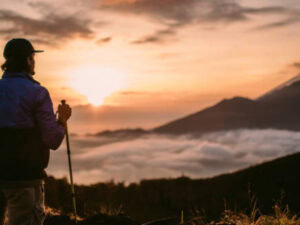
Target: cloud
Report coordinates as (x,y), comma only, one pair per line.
(291,16)
(159,37)
(104,40)
(49,29)
(5,31)
(266,10)
(149,39)
(181,12)
(296,65)
(278,24)
(156,156)
(174,14)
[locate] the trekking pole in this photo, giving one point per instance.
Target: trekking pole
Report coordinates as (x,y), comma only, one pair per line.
(63,102)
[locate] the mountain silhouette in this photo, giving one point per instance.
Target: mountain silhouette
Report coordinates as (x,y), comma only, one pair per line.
(281,86)
(278,109)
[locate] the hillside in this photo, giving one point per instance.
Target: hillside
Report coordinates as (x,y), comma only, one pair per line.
(152,199)
(279,109)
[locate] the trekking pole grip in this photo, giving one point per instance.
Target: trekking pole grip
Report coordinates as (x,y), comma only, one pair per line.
(63,102)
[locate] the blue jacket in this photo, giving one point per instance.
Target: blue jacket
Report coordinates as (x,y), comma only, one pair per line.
(28,127)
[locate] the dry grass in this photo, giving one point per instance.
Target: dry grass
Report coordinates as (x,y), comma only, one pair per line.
(280,217)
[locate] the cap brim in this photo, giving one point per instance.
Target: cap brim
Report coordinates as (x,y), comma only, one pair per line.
(36,51)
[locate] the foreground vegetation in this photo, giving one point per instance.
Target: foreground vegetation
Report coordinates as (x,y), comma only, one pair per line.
(280,216)
(154,199)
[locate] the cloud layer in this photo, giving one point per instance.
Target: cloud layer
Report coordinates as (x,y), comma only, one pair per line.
(181,12)
(50,28)
(162,156)
(174,14)
(54,24)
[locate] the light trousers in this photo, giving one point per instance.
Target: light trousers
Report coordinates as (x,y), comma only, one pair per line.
(23,205)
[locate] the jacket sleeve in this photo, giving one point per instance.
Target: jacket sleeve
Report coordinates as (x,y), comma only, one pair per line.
(52,133)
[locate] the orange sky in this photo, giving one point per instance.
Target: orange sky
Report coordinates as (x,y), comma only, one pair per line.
(155,60)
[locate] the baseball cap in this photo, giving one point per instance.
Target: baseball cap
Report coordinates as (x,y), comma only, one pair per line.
(19,47)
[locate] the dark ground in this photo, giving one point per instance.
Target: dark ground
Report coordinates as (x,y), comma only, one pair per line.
(102,219)
(99,219)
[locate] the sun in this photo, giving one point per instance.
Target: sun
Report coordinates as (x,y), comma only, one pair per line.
(97,82)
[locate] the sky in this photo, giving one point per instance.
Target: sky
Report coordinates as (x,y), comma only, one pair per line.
(141,63)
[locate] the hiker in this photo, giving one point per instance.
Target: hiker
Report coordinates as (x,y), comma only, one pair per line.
(28,130)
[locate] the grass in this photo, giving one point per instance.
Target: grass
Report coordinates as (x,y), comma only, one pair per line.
(252,216)
(280,216)
(111,210)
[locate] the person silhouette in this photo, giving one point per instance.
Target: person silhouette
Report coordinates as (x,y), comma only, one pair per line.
(28,130)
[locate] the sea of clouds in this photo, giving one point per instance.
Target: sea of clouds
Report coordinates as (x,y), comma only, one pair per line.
(98,159)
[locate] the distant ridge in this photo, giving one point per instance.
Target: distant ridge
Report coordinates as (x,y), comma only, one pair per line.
(285,84)
(122,133)
(278,109)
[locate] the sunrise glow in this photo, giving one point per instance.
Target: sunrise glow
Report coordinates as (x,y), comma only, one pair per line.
(97,82)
